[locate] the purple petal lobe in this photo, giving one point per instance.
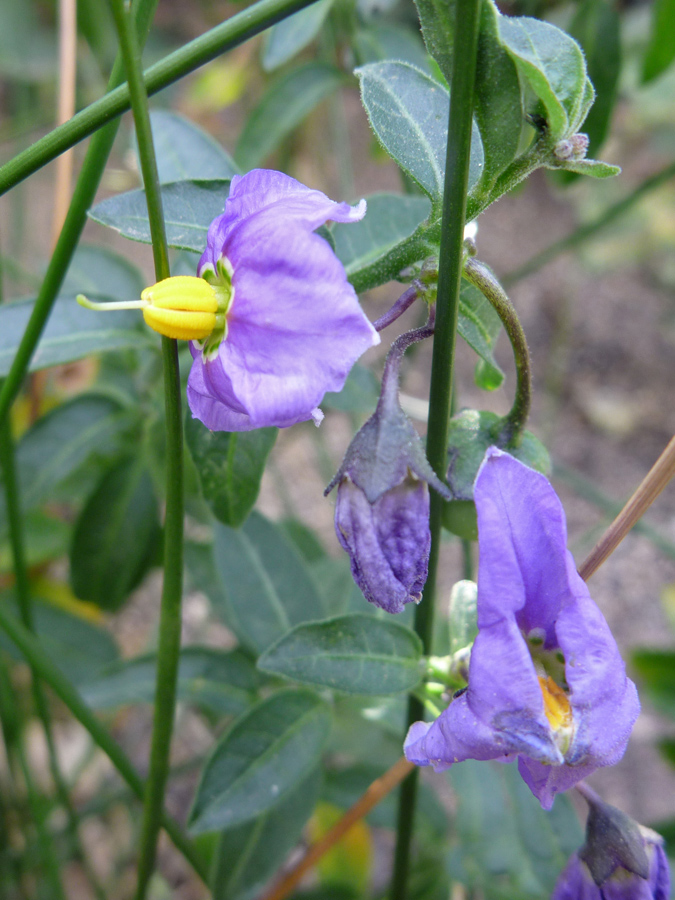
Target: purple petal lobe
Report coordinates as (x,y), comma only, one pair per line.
(388,541)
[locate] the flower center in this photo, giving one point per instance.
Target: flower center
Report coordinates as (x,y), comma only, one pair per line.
(182,307)
(558,712)
(220,282)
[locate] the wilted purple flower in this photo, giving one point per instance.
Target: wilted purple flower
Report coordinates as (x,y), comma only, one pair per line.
(382,509)
(290,326)
(621,860)
(546,681)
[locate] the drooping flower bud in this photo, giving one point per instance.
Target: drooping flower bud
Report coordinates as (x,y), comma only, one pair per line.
(621,860)
(382,509)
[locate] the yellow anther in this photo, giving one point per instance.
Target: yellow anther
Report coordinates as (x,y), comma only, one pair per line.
(556,706)
(182,307)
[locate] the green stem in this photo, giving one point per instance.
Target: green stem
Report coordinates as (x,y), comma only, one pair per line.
(32,651)
(582,234)
(16,751)
(237,29)
(83,196)
(481,277)
(168,652)
(7,462)
(447,308)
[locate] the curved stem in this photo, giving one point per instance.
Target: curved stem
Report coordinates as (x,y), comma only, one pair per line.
(237,29)
(32,651)
(447,309)
(83,196)
(392,364)
(405,301)
(481,277)
(168,652)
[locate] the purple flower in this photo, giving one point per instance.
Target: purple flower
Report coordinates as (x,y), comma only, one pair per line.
(289,326)
(576,882)
(546,681)
(382,509)
(621,860)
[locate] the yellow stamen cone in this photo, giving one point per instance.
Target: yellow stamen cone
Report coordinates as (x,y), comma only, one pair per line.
(182,307)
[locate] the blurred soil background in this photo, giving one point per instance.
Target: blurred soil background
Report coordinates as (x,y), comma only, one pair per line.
(601,328)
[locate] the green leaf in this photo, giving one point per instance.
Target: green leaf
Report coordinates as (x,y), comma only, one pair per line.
(288,37)
(266,582)
(505,845)
(498,104)
(73,332)
(65,452)
(374,250)
(249,854)
(408,111)
(480,326)
(553,65)
(661,48)
(230,467)
(264,756)
(656,674)
(594,167)
(185,152)
(471,432)
(46,539)
(286,103)
(356,654)
(597,28)
(115,537)
(498,101)
(385,40)
(437,18)
(359,395)
(222,682)
(189,209)
(78,647)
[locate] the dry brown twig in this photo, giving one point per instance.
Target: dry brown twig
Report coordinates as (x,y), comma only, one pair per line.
(66,109)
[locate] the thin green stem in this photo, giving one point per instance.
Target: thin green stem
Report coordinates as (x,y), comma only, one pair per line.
(467,14)
(13,733)
(32,651)
(481,277)
(83,196)
(591,229)
(168,652)
(23,594)
(237,29)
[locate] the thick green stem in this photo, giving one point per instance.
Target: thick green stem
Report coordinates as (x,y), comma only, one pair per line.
(191,56)
(168,652)
(591,229)
(467,14)
(83,196)
(33,653)
(481,277)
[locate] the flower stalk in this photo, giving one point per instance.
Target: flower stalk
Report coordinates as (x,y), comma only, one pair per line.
(478,274)
(447,311)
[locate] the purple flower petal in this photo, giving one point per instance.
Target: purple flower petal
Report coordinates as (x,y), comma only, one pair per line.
(295,327)
(387,541)
(533,610)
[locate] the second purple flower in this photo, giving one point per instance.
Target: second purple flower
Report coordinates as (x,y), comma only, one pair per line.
(547,684)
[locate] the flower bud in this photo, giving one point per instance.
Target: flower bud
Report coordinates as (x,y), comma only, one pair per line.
(382,509)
